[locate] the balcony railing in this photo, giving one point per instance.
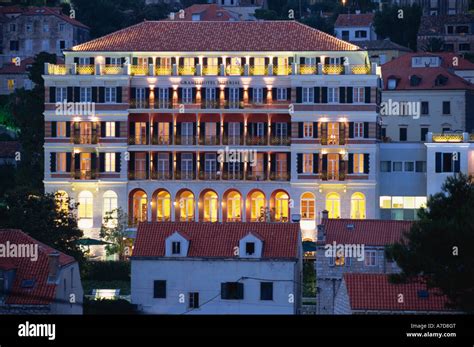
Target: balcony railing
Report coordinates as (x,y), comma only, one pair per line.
(210,104)
(139,70)
(333,69)
(112,69)
(85,69)
(448,137)
(232,175)
(308,69)
(360,69)
(210,70)
(163,70)
(185,140)
(233,105)
(187,70)
(185,175)
(257,140)
(281,70)
(57,69)
(333,175)
(232,140)
(256,175)
(161,175)
(138,175)
(137,140)
(279,176)
(84,175)
(258,70)
(161,140)
(139,103)
(84,139)
(210,140)
(208,175)
(234,70)
(280,141)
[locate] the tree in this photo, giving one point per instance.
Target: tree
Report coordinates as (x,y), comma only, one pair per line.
(114,230)
(36,70)
(49,218)
(434,44)
(439,245)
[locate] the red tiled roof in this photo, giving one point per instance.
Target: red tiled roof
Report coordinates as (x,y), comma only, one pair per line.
(11,68)
(42,292)
(208,12)
(370,232)
(375,292)
(185,36)
(354,20)
(217,240)
(9,148)
(402,67)
(52,11)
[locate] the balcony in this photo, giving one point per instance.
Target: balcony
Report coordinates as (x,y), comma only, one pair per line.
(258,70)
(256,175)
(333,140)
(210,70)
(333,69)
(282,70)
(208,175)
(139,70)
(232,175)
(234,70)
(85,69)
(280,176)
(308,69)
(163,70)
(210,104)
(360,69)
(232,140)
(210,140)
(139,103)
(57,69)
(185,175)
(257,140)
(280,141)
(185,140)
(186,70)
(234,105)
(112,70)
(138,175)
(161,175)
(333,175)
(137,140)
(448,137)
(88,139)
(161,140)
(84,175)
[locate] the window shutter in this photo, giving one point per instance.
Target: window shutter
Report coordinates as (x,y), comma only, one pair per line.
(300,129)
(224,291)
(70,97)
(91,61)
(367,95)
(240,291)
(315,162)
(178,162)
(349,95)
(68,162)
(288,94)
(299,163)
(147,164)
(324,132)
(76,60)
(351,130)
(317,96)
(342,133)
(342,95)
(53,162)
(117,129)
(101,162)
(119,95)
(250,94)
(366,130)
(53,129)
(273,162)
(68,129)
(77,94)
(325,163)
(101,94)
(118,165)
(288,163)
(52,94)
(315,130)
(94,94)
(107,60)
(147,132)
(438,161)
(366,163)
(350,163)
(102,129)
(299,95)
(324,95)
(133,93)
(77,162)
(302,60)
(131,162)
(93,162)
(457,163)
(131,132)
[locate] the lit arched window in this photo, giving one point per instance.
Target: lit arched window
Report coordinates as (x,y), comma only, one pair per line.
(110,202)
(234,212)
(358,206)
(62,200)
(186,206)
(140,207)
(333,205)
(308,204)
(85,209)
(210,207)
(257,207)
(163,206)
(281,207)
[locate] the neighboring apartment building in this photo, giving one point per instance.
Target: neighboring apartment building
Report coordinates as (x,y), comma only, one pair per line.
(37,279)
(382,51)
(364,241)
(435,7)
(15,76)
(362,293)
(39,29)
(456,32)
(219,268)
(422,93)
(355,27)
(205,12)
(167,104)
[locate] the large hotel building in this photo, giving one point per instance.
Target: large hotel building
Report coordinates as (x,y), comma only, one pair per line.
(231,121)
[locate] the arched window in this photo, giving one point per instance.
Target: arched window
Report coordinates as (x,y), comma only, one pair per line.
(163,206)
(257,207)
(234,212)
(140,207)
(358,206)
(62,200)
(85,209)
(110,203)
(210,207)
(333,205)
(308,204)
(281,207)
(186,206)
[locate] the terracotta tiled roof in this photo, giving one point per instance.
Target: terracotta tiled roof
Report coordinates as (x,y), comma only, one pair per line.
(217,240)
(370,232)
(207,12)
(52,11)
(435,25)
(402,67)
(11,68)
(375,292)
(354,20)
(170,36)
(42,293)
(8,148)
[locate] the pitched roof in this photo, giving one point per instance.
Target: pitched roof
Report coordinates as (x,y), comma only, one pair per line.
(218,240)
(186,36)
(375,292)
(42,292)
(10,68)
(370,232)
(354,20)
(207,12)
(435,25)
(402,69)
(52,11)
(382,45)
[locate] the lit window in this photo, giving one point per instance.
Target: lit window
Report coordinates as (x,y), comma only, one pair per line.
(110,95)
(358,206)
(307,163)
(110,129)
(358,95)
(385,202)
(281,207)
(397,201)
(358,129)
(308,130)
(85,209)
(307,206)
(163,206)
(210,206)
(257,207)
(370,258)
(110,203)
(333,95)
(358,161)
(61,162)
(109,162)
(333,205)
(10,84)
(61,129)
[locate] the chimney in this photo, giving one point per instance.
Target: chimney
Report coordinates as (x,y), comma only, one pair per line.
(53,262)
(324,215)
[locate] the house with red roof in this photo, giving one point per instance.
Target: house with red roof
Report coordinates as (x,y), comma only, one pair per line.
(347,246)
(217,268)
(35,278)
(204,12)
(355,27)
(364,293)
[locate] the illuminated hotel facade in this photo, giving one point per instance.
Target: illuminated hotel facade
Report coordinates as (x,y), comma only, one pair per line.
(169,97)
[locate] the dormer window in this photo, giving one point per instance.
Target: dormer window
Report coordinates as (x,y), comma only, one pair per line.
(415,80)
(176,247)
(441,80)
(249,248)
(392,83)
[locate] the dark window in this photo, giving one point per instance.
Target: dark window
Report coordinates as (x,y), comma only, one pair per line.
(159,289)
(449,47)
(385,166)
(423,133)
(425,109)
(62,44)
(266,290)
(420,166)
(446,107)
(446,130)
(447,162)
(14,46)
(249,248)
(403,134)
(345,34)
(232,291)
(176,247)
(450,29)
(462,29)
(464,47)
(193,300)
(384,132)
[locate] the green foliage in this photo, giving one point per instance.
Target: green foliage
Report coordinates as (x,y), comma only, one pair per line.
(105,306)
(37,68)
(439,245)
(320,23)
(309,279)
(403,30)
(106,271)
(114,230)
(435,44)
(266,14)
(40,217)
